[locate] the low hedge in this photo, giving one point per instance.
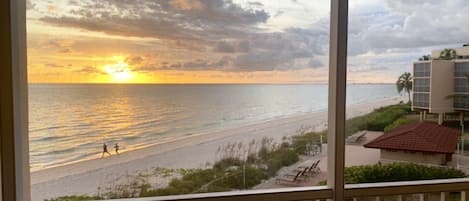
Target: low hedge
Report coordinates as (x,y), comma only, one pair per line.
(398,172)
(395,172)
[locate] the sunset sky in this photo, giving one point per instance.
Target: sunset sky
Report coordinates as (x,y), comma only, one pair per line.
(239,41)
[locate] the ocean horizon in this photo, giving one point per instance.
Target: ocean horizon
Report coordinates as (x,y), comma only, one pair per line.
(70,122)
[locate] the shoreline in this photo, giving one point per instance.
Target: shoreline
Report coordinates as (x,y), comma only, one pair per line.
(202,132)
(192,151)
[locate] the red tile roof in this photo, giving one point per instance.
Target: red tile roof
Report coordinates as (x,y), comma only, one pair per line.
(421,137)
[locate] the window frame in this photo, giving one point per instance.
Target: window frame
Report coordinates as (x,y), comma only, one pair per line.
(14,160)
(14,141)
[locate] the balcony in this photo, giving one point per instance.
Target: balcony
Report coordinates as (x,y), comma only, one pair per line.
(14,137)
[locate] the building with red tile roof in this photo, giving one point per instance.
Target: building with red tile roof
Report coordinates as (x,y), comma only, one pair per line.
(421,142)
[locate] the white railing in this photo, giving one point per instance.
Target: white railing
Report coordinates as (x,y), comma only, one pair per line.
(422,190)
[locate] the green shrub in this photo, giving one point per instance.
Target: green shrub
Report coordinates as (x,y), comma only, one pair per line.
(227,162)
(399,122)
(398,172)
(280,158)
(235,179)
(376,120)
(301,143)
(383,117)
(355,124)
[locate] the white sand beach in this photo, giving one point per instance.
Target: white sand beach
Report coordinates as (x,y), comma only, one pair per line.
(194,151)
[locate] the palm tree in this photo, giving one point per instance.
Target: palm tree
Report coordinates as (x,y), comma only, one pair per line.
(447,54)
(425,58)
(404,83)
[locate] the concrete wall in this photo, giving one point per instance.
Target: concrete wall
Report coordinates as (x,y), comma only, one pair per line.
(415,157)
(441,86)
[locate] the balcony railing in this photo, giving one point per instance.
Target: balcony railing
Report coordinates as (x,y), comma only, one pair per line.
(376,191)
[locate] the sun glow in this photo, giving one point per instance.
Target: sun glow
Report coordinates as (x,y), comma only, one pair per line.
(120,72)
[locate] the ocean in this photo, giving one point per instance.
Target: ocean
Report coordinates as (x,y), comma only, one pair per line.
(70,122)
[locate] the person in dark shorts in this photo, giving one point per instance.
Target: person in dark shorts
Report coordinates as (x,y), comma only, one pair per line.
(116,147)
(105,150)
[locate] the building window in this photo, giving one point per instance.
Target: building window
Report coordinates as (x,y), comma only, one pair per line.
(461,69)
(421,84)
(461,102)
(422,70)
(461,85)
(421,100)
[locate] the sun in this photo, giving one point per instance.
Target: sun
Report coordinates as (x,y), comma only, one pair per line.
(120,72)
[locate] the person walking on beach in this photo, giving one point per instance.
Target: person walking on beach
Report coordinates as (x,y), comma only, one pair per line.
(105,150)
(116,147)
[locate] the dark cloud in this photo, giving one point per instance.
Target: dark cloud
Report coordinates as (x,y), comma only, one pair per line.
(243,46)
(53,65)
(314,63)
(89,70)
(239,46)
(203,25)
(176,19)
(134,60)
(65,50)
(225,47)
(192,65)
(282,50)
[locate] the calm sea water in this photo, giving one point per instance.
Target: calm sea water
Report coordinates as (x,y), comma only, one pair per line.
(69,123)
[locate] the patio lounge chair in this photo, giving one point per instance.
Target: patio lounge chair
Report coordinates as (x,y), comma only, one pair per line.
(292,178)
(313,169)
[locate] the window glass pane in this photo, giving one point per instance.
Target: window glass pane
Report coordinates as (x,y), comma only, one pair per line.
(461,69)
(461,85)
(421,85)
(162,97)
(422,70)
(386,45)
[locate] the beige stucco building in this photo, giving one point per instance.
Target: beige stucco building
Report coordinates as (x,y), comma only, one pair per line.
(436,80)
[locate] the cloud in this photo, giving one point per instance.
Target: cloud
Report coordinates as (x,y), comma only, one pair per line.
(224,27)
(193,65)
(410,24)
(233,47)
(178,19)
(187,4)
(65,50)
(314,63)
(134,60)
(223,46)
(243,46)
(89,70)
(384,35)
(53,65)
(388,35)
